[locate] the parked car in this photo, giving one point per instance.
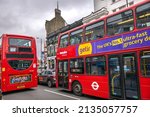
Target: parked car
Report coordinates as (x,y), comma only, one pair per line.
(47,77)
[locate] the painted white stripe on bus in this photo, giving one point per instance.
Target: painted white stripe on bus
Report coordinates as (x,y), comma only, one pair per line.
(61,94)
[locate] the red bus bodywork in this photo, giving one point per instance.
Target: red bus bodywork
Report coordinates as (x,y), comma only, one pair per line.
(100,86)
(18,62)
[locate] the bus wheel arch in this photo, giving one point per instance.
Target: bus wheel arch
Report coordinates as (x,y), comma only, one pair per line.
(77,88)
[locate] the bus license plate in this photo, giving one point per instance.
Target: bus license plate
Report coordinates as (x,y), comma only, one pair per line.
(20,78)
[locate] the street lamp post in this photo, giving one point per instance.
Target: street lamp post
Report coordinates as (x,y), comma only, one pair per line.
(41,55)
(40,52)
(127,3)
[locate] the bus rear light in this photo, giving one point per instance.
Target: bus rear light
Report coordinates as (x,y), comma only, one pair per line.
(70,80)
(3,69)
(4,79)
(34,65)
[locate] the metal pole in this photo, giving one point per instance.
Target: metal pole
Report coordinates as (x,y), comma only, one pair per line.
(41,54)
(127,3)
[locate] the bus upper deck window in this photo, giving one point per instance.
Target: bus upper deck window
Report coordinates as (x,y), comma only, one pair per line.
(94,31)
(19,42)
(120,23)
(76,37)
(143,16)
(64,41)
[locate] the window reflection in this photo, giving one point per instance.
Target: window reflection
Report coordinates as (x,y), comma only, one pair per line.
(120,23)
(96,65)
(143,16)
(145,63)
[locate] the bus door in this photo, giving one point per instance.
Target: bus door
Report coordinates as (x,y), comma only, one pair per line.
(123,76)
(63,74)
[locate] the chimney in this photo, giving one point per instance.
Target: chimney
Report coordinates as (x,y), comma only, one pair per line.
(57,12)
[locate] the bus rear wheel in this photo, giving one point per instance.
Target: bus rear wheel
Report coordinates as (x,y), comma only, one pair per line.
(77,88)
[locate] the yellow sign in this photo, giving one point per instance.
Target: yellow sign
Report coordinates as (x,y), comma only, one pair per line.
(117,42)
(20,87)
(85,49)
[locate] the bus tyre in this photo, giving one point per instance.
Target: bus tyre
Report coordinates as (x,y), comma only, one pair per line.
(77,88)
(49,83)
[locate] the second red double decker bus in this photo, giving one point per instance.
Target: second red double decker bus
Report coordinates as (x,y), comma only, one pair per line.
(18,62)
(109,57)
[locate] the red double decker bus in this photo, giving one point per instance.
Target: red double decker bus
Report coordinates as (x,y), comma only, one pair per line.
(109,57)
(18,62)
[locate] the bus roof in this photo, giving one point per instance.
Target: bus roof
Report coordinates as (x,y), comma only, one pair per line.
(17,35)
(104,17)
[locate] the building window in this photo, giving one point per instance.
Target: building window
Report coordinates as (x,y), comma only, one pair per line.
(52,50)
(77,66)
(145,63)
(114,10)
(64,41)
(131,3)
(143,16)
(114,1)
(76,37)
(48,50)
(122,7)
(51,64)
(120,23)
(94,31)
(96,65)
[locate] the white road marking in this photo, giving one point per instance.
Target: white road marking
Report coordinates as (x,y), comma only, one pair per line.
(61,94)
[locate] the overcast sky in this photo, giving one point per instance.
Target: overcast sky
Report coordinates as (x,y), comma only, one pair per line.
(28,17)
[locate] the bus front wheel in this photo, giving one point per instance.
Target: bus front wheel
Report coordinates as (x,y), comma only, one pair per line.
(77,88)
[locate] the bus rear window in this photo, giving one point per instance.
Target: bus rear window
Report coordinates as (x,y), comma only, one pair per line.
(145,63)
(19,42)
(20,64)
(143,16)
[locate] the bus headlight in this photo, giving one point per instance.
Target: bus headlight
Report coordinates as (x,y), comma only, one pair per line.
(12,49)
